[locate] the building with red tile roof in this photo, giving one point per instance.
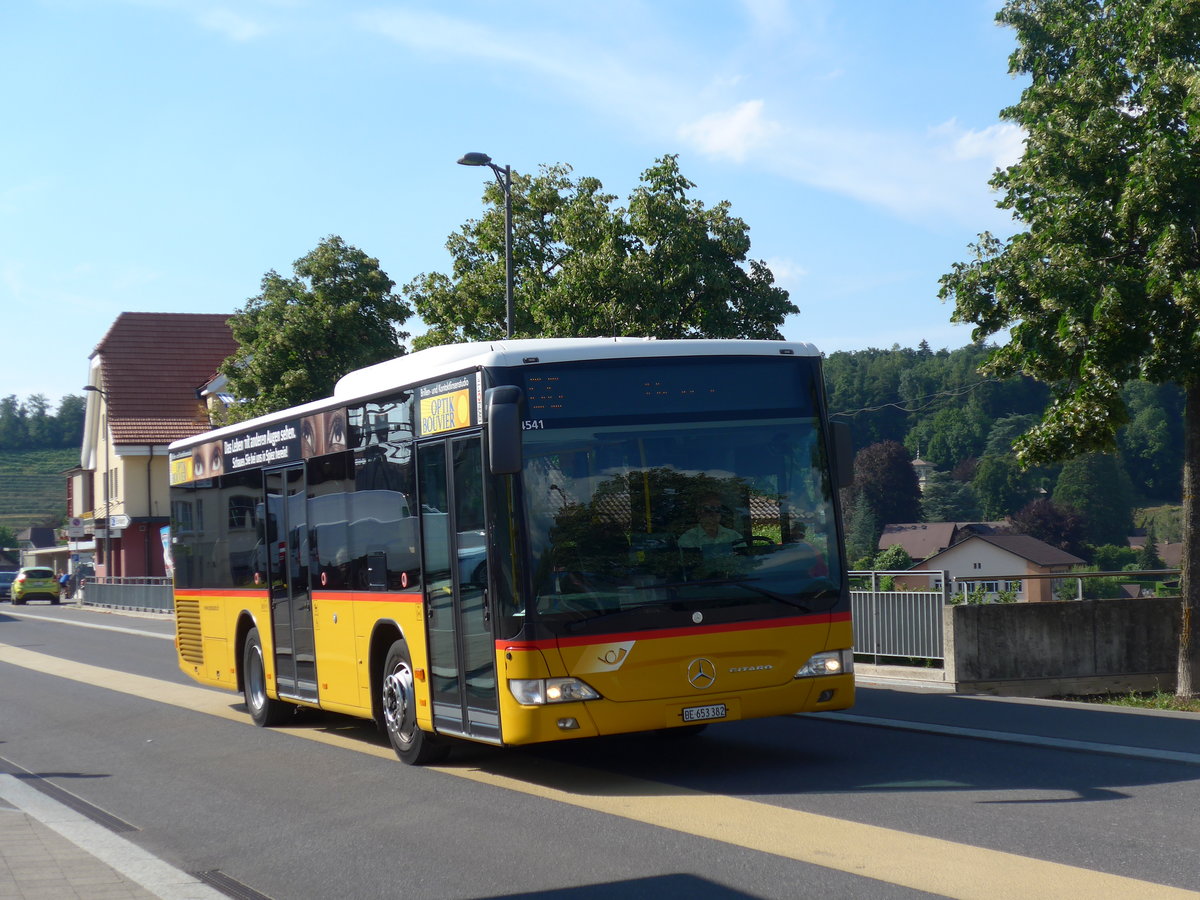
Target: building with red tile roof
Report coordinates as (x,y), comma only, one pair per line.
(997,562)
(143,386)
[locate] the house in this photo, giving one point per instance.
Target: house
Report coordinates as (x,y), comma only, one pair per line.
(1169,552)
(1002,560)
(141,396)
(922,540)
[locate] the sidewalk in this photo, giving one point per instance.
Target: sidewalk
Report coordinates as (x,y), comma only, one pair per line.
(37,863)
(51,852)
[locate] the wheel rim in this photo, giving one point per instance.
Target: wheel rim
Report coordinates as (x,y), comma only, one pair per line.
(256,682)
(398,710)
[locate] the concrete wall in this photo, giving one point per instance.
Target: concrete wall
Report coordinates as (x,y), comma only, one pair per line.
(1046,649)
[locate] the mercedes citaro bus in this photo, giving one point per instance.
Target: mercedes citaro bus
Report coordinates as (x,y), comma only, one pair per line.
(525,541)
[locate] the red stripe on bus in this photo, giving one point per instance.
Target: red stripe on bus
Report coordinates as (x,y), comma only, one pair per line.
(616,637)
(221,592)
(368,596)
(358,596)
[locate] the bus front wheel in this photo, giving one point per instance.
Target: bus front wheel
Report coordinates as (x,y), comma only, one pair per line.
(399,705)
(263,710)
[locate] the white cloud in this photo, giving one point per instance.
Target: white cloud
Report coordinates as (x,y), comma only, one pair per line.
(17,197)
(732,134)
(667,96)
(787,272)
(1000,145)
(597,70)
(436,33)
(234,26)
(770,17)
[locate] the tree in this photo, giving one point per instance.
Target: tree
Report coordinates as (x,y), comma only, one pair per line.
(1103,285)
(14,424)
(894,559)
(1060,526)
(862,533)
(885,479)
(1148,558)
(69,421)
(1000,486)
(1097,486)
(1151,444)
(947,500)
(301,334)
(666,266)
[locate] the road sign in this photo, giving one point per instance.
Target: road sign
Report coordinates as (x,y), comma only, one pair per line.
(116,523)
(75,527)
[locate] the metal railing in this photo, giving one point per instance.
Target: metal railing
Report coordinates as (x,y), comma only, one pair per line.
(907,624)
(904,624)
(142,594)
(1078,577)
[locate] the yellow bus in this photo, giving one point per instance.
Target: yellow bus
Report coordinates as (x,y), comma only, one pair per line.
(525,541)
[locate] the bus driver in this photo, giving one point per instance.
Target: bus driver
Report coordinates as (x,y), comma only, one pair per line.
(709,534)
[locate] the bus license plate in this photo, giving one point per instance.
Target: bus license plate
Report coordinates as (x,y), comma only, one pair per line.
(701,713)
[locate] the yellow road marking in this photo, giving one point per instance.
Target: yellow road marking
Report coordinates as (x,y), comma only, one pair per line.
(923,863)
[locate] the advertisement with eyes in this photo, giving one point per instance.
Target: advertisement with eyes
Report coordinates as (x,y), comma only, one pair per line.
(323,433)
(208,460)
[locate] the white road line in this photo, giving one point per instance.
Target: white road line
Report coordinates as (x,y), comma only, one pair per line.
(1009,737)
(24,615)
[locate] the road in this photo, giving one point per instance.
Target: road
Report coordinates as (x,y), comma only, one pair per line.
(912,793)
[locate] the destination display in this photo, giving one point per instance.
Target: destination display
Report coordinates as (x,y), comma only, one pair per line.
(673,387)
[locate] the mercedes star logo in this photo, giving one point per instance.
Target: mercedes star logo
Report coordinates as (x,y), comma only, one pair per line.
(702,673)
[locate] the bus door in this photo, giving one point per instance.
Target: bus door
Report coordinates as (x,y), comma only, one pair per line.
(462,658)
(291,602)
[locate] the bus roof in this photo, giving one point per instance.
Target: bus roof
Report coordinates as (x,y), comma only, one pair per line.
(450,359)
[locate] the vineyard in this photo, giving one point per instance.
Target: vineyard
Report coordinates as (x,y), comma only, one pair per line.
(33,487)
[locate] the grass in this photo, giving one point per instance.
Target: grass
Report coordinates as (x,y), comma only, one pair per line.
(32,485)
(1146,700)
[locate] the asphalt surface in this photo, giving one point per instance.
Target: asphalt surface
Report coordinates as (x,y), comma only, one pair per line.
(52,845)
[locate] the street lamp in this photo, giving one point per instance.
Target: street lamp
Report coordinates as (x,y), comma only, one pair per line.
(504,179)
(107,514)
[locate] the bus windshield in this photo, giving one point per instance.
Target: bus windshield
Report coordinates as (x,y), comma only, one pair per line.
(685,523)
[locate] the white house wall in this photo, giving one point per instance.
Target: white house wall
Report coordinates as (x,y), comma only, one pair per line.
(979,559)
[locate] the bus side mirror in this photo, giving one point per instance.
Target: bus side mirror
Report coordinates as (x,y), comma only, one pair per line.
(843,454)
(504,429)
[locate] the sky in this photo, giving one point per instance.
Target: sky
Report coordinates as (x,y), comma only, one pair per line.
(164,155)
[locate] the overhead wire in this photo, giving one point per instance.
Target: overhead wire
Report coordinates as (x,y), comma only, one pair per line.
(932,398)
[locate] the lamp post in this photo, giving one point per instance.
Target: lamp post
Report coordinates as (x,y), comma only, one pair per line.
(504,179)
(107,513)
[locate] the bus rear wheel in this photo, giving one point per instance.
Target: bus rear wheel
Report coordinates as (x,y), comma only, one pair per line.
(399,705)
(263,710)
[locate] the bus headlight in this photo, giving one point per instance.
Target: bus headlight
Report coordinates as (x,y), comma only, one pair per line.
(830,662)
(540,691)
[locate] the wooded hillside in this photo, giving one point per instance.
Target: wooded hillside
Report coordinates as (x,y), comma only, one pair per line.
(937,406)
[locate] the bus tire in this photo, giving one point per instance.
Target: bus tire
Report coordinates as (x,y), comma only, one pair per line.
(398,704)
(263,710)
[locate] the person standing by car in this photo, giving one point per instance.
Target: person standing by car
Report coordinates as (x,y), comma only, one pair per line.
(64,585)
